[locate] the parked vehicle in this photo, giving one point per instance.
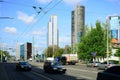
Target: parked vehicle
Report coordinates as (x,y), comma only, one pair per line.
(112,73)
(104,65)
(70,58)
(54,67)
(23,66)
(93,64)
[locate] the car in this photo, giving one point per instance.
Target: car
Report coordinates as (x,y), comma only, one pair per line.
(54,67)
(93,64)
(112,73)
(104,65)
(23,66)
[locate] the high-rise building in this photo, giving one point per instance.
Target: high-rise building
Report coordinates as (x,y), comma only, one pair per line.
(77,24)
(114,28)
(114,25)
(53,31)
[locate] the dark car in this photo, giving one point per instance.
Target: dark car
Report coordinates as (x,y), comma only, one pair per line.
(51,66)
(23,66)
(112,73)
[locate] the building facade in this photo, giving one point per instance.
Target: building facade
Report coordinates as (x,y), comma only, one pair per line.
(18,52)
(77,24)
(53,31)
(26,51)
(114,23)
(114,27)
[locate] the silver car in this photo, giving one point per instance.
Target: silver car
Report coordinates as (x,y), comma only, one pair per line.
(93,64)
(104,65)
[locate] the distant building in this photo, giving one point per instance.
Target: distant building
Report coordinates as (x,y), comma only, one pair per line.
(26,51)
(53,31)
(114,27)
(22,52)
(77,24)
(18,52)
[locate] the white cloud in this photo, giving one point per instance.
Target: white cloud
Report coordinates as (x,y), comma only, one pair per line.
(25,18)
(41,31)
(10,29)
(44,1)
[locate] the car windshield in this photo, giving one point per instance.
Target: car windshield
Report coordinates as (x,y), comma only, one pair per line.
(56,64)
(23,63)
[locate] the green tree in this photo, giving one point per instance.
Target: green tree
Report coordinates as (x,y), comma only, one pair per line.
(67,49)
(118,53)
(4,54)
(93,41)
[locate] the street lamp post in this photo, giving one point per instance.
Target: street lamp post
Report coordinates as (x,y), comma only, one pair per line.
(6,18)
(107,44)
(33,49)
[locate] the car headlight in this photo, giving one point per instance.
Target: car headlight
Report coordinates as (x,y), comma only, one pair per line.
(29,66)
(63,68)
(54,68)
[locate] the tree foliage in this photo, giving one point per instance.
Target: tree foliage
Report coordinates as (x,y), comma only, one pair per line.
(93,42)
(57,51)
(118,53)
(4,54)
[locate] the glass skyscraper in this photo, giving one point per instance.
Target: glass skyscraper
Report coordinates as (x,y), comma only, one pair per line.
(114,24)
(53,31)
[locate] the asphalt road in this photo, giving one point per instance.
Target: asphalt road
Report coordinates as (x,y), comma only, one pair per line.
(74,72)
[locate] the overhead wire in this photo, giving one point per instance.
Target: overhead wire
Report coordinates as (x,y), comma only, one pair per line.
(18,4)
(41,17)
(25,5)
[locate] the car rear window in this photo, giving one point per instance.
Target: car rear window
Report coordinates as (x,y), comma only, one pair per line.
(113,70)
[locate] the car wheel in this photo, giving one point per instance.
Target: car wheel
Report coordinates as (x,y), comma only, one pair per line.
(105,67)
(63,72)
(45,70)
(30,69)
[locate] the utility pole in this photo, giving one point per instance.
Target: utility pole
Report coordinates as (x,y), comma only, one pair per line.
(107,43)
(33,49)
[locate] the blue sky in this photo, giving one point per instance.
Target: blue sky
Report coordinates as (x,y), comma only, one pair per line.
(27,23)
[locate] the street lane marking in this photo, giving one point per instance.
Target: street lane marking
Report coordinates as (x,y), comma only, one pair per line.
(41,75)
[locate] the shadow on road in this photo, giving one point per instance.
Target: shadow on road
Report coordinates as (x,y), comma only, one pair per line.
(35,69)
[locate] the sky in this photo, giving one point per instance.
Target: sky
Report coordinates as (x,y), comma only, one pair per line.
(28,19)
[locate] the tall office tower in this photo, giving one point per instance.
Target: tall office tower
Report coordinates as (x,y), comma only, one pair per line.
(114,25)
(53,31)
(77,24)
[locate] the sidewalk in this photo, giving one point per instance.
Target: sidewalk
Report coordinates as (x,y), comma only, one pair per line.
(3,73)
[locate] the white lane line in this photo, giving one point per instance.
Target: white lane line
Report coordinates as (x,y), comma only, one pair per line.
(41,75)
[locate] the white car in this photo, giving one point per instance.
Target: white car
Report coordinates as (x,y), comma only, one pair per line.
(104,65)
